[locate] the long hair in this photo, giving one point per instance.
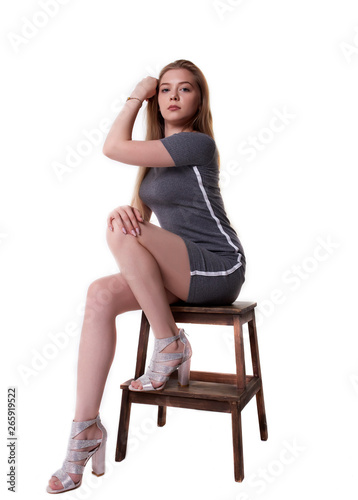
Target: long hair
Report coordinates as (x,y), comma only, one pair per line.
(200,122)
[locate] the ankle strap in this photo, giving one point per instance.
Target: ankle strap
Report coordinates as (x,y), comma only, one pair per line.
(161,344)
(78,427)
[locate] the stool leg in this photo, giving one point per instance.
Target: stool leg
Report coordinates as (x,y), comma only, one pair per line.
(237,443)
(162,415)
(239,353)
(142,346)
(123,427)
(141,359)
(257,372)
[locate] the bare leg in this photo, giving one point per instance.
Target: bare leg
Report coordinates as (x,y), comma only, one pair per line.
(152,262)
(106,298)
(112,295)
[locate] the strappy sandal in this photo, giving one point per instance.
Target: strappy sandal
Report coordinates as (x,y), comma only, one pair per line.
(69,465)
(160,372)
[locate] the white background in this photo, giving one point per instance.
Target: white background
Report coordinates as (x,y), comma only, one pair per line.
(293,206)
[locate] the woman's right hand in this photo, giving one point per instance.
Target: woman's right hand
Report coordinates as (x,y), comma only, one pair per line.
(146,88)
(127,218)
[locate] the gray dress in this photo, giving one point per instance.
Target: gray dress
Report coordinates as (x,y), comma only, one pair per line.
(187,201)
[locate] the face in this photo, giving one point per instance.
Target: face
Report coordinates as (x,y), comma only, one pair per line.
(178,96)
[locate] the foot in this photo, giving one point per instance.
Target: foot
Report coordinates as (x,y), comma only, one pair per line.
(176,346)
(92,432)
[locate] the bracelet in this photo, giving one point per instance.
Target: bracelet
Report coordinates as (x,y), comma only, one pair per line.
(141,102)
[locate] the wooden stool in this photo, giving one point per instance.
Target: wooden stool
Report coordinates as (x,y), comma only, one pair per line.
(210,391)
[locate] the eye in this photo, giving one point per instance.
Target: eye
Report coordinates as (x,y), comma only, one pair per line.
(163,90)
(186,88)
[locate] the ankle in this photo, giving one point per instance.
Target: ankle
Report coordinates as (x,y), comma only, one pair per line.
(84,416)
(176,345)
(165,333)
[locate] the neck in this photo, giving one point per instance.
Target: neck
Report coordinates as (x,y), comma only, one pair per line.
(171,128)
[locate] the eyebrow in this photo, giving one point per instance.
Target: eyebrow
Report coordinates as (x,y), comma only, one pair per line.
(179,83)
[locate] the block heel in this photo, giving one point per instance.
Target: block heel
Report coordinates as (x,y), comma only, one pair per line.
(99,461)
(184,373)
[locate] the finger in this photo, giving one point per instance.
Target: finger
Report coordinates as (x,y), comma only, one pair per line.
(138,214)
(120,223)
(109,221)
(130,221)
(135,217)
(115,216)
(139,218)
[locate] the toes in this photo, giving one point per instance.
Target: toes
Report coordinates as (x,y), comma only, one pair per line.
(136,385)
(55,483)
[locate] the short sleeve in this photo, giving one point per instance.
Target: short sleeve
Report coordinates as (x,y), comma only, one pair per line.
(190,148)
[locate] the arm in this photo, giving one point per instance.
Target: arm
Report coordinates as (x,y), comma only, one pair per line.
(119,145)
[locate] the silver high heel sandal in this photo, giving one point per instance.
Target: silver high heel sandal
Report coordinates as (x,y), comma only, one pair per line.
(161,372)
(97,454)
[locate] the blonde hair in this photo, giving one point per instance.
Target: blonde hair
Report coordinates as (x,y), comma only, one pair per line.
(200,122)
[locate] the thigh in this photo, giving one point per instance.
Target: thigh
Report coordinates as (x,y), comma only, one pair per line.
(170,252)
(113,293)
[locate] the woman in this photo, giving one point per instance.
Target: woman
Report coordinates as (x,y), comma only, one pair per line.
(195,256)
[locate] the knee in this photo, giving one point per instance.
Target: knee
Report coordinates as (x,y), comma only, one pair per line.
(116,239)
(103,296)
(106,288)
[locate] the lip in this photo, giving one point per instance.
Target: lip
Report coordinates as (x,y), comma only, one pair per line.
(173,107)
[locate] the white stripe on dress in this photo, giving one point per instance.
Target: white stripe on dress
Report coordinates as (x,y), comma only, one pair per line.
(208,204)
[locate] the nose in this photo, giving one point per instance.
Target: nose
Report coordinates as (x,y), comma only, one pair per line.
(174,96)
